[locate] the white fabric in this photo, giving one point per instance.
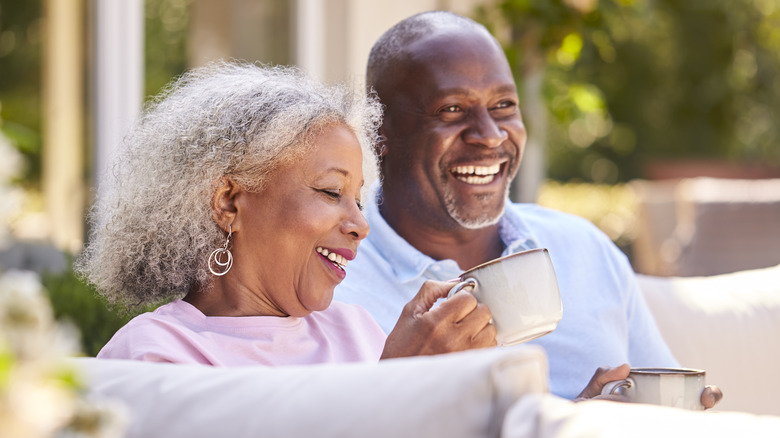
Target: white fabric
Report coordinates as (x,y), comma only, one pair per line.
(727,325)
(546,416)
(453,395)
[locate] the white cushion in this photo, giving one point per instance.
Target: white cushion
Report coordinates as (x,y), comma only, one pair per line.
(547,416)
(727,325)
(454,395)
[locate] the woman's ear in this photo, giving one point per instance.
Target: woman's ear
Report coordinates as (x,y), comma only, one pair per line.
(223,205)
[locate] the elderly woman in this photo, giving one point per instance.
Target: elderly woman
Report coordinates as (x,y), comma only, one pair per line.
(236,201)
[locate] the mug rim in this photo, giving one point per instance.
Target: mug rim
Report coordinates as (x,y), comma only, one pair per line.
(667,371)
(502,258)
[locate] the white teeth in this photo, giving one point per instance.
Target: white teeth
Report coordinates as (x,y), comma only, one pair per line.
(336,259)
(476,170)
(476,174)
(476,179)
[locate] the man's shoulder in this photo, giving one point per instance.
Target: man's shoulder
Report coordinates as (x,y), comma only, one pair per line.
(538,216)
(554,228)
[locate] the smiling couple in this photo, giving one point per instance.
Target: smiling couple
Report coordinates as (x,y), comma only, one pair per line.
(273,169)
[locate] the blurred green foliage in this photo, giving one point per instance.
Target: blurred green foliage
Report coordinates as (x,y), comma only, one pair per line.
(74,300)
(628,81)
(611,207)
(21,32)
(167,26)
(77,302)
(20,80)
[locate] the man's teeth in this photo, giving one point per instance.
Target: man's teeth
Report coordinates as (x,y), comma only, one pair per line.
(476,174)
(336,259)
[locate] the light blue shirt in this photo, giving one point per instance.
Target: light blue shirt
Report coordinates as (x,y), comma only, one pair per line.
(605,322)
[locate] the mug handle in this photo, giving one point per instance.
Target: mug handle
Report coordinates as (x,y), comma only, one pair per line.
(469,282)
(617,387)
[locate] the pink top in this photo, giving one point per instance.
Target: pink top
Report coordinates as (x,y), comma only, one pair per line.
(178,332)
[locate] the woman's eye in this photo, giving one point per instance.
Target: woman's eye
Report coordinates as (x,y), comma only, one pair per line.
(331,193)
(359,204)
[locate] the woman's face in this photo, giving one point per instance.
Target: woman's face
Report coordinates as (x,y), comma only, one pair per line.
(295,237)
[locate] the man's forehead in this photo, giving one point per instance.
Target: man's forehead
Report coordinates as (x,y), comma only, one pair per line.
(457,66)
(449,43)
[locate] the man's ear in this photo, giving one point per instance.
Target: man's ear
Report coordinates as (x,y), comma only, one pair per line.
(223,205)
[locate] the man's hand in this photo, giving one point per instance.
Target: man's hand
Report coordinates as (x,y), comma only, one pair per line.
(601,377)
(458,323)
(709,397)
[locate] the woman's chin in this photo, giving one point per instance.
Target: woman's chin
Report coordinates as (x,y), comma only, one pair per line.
(316,305)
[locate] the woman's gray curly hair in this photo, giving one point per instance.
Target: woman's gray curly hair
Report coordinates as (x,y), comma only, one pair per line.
(152,227)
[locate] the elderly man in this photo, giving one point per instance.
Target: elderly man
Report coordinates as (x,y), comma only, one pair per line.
(452,141)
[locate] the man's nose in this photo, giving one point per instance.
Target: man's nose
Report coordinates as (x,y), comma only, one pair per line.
(484,130)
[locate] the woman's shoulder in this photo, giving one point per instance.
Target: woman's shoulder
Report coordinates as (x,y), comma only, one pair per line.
(339,310)
(348,317)
(147,333)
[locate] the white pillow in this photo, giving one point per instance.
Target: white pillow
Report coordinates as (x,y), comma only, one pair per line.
(454,395)
(547,416)
(727,325)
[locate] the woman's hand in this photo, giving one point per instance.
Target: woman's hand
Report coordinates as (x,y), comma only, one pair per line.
(456,324)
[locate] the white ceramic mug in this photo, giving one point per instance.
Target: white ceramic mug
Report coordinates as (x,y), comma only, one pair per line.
(675,387)
(521,291)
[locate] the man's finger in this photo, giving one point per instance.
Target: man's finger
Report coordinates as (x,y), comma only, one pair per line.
(711,396)
(601,377)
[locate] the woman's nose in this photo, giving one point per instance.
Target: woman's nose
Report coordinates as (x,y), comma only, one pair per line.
(356,224)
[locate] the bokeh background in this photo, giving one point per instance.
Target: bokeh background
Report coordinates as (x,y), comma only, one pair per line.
(654,119)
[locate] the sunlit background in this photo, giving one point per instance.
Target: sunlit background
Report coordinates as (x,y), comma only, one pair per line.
(654,119)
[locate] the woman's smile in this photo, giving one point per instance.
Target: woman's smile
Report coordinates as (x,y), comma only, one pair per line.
(335,261)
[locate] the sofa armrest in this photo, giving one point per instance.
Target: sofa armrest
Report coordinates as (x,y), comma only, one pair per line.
(728,325)
(454,395)
(547,416)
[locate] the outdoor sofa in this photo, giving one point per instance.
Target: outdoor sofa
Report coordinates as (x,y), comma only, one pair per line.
(728,325)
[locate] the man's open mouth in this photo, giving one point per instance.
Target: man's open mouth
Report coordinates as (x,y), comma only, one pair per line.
(476,175)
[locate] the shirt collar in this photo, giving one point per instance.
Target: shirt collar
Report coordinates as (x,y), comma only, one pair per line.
(409,264)
(514,231)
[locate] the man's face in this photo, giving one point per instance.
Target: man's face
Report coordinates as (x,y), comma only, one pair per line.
(454,134)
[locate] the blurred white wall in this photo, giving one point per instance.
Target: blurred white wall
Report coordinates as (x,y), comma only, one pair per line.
(329,38)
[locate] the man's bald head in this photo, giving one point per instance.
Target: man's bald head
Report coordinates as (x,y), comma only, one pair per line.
(389,51)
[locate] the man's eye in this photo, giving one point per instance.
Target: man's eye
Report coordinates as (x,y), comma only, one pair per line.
(506,104)
(359,204)
(451,109)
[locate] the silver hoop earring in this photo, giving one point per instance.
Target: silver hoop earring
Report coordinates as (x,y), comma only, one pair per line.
(222,257)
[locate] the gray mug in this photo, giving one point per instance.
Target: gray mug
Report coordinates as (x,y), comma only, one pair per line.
(675,387)
(521,291)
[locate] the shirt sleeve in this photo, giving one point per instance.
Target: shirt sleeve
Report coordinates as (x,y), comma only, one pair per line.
(646,346)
